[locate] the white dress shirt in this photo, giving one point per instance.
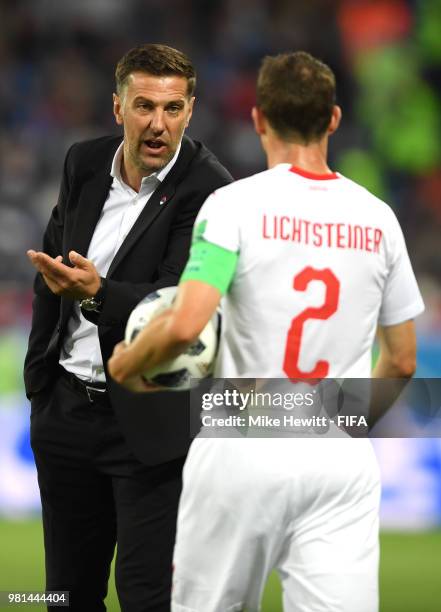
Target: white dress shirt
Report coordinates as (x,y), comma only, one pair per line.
(81,352)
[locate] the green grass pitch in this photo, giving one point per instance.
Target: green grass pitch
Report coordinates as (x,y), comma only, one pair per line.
(409,579)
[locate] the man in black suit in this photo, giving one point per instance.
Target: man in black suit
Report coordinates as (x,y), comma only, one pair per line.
(109,462)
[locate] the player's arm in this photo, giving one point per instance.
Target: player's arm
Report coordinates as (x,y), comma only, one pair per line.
(205,279)
(395,366)
(168,334)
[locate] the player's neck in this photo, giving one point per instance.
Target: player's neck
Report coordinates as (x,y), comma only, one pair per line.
(312,158)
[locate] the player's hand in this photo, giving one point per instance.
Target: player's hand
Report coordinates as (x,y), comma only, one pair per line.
(79,282)
(121,366)
(138,384)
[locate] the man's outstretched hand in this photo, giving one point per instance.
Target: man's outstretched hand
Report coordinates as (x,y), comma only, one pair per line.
(81,281)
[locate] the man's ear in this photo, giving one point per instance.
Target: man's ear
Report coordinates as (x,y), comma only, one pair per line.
(335,119)
(258,120)
(190,111)
(117,109)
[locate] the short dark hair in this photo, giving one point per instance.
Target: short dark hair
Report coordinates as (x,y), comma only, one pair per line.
(296,93)
(157,60)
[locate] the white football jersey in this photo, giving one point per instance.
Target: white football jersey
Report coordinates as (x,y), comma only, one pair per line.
(321,263)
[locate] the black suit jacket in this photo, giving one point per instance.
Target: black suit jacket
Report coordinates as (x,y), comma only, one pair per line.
(153,255)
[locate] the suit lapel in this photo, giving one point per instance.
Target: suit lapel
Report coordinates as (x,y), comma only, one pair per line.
(91,201)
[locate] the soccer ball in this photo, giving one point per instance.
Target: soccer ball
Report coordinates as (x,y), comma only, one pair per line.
(197,361)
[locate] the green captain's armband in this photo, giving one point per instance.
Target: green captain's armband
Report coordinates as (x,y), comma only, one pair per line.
(211,264)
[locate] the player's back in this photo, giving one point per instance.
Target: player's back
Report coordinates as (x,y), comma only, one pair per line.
(320,260)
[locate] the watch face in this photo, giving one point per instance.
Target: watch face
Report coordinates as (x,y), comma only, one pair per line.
(89,304)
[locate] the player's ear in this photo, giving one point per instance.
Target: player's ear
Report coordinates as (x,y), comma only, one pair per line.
(258,120)
(335,119)
(117,109)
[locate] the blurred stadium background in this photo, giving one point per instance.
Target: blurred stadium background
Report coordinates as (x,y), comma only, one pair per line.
(56,80)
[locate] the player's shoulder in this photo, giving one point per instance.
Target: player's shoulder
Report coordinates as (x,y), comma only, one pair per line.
(365,198)
(245,187)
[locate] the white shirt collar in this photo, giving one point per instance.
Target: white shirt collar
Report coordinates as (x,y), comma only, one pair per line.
(115,171)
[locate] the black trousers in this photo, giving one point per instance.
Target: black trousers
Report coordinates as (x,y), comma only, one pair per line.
(94,494)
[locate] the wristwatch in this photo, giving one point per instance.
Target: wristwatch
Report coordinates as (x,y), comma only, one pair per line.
(93,304)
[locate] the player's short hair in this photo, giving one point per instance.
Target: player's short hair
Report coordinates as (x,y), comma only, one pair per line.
(296,93)
(156,60)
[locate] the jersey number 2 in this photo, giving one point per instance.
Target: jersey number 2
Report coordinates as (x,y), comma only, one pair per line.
(294,339)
